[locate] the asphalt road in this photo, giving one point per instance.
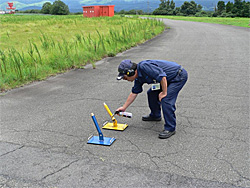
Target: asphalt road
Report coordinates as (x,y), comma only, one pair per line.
(45,125)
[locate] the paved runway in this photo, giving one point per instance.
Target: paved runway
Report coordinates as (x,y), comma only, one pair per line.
(45,126)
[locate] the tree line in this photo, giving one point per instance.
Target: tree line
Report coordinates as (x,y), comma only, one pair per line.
(238,8)
(166,7)
(58,7)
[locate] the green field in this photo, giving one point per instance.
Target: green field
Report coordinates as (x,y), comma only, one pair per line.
(241,22)
(34,47)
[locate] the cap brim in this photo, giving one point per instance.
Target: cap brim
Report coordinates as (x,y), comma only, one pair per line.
(120,77)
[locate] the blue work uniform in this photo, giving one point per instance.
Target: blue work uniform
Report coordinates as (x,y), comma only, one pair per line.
(152,71)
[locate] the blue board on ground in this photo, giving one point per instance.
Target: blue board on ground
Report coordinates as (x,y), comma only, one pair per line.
(106,141)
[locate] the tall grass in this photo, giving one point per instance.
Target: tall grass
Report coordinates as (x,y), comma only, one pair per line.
(50,55)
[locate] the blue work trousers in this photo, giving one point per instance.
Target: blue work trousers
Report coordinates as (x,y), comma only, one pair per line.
(168,102)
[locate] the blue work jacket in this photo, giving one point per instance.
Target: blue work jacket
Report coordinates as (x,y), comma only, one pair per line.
(152,71)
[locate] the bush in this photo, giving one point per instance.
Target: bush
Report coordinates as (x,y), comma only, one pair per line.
(215,14)
(180,14)
(59,8)
(224,14)
(201,14)
(31,11)
(46,9)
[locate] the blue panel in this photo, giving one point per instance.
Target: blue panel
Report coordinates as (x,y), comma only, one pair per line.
(106,141)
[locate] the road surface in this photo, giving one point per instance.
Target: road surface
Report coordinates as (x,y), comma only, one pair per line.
(45,125)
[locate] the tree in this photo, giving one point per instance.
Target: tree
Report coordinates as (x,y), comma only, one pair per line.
(59,8)
(229,7)
(122,12)
(159,12)
(163,5)
(246,9)
(140,12)
(172,4)
(167,7)
(199,8)
(221,6)
(133,11)
(46,8)
(237,7)
(189,8)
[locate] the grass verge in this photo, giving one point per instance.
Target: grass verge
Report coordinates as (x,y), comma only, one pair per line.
(35,47)
(241,22)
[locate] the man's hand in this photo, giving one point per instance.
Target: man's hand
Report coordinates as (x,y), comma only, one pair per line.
(129,100)
(121,109)
(164,86)
(161,96)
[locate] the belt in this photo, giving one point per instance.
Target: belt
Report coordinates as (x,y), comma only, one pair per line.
(179,71)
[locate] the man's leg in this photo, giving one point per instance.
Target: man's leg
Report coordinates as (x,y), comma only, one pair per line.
(168,108)
(168,105)
(154,103)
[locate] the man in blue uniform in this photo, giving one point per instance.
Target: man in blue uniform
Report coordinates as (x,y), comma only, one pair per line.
(166,79)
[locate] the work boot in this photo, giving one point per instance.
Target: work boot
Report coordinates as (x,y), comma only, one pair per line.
(150,118)
(166,134)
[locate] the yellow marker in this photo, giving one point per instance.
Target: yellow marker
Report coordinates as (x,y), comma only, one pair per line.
(111,115)
(114,125)
(108,110)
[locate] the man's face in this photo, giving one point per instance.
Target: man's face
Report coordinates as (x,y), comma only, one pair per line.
(130,79)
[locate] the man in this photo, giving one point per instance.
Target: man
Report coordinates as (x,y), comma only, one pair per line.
(167,79)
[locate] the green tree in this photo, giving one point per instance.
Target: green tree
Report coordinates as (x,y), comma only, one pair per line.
(159,12)
(189,8)
(199,8)
(163,5)
(238,6)
(133,11)
(140,12)
(172,4)
(122,12)
(229,7)
(46,8)
(246,9)
(162,10)
(168,5)
(59,8)
(221,6)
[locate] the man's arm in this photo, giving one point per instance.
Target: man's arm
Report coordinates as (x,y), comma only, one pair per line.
(129,101)
(164,86)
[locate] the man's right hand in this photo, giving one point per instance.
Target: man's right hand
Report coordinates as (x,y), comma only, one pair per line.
(129,100)
(121,109)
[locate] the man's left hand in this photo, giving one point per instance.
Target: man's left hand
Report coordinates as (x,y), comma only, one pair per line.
(161,96)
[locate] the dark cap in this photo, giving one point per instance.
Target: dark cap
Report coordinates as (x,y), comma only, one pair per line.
(124,66)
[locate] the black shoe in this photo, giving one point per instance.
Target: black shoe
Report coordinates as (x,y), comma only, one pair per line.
(166,134)
(150,118)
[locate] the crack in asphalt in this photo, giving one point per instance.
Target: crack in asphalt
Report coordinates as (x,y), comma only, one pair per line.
(140,151)
(43,130)
(233,168)
(8,181)
(59,170)
(230,164)
(12,151)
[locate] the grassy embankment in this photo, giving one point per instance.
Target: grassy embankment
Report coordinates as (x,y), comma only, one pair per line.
(241,22)
(35,47)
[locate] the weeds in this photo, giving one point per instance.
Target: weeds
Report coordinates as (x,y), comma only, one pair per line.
(50,55)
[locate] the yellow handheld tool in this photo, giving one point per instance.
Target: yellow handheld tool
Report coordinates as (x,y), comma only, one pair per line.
(114,125)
